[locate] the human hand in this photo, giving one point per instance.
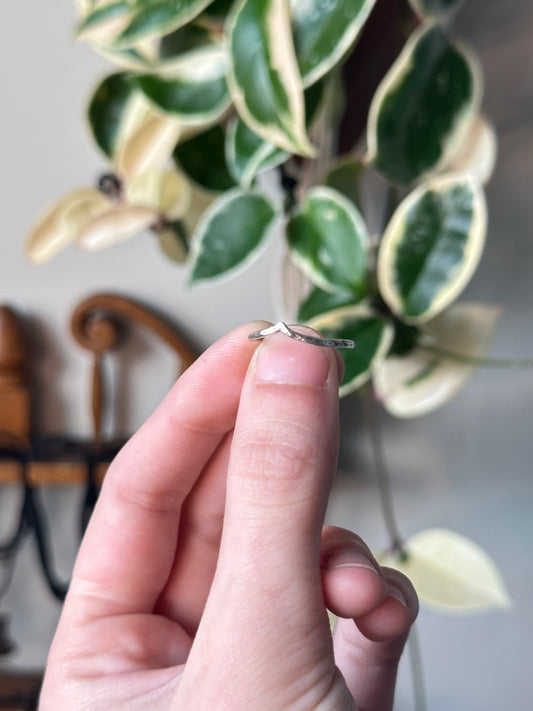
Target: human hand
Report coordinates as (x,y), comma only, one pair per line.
(203,578)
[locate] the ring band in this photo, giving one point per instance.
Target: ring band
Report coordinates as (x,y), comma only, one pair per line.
(281,327)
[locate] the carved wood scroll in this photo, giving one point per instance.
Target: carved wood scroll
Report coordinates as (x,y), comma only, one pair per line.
(96,324)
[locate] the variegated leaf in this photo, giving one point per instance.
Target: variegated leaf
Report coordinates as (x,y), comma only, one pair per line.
(450,572)
(431,247)
(230,234)
(372,334)
(424,107)
(159,17)
(134,59)
(423,379)
(264,79)
(103,24)
(60,224)
(324,32)
(319,302)
(192,88)
(111,105)
(247,154)
(328,239)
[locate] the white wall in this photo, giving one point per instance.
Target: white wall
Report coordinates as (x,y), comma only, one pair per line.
(47,80)
(466,467)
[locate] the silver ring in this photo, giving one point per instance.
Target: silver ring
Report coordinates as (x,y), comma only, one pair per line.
(281,327)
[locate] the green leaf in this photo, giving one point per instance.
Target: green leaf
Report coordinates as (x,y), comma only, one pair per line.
(405,338)
(421,380)
(108,110)
(423,108)
(247,154)
(159,18)
(320,302)
(324,32)
(327,238)
(344,176)
(193,88)
(264,80)
(434,8)
(372,335)
(431,247)
(183,40)
(230,234)
(314,98)
(203,159)
(219,9)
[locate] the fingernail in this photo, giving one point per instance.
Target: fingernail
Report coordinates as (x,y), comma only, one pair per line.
(397,594)
(280,359)
(351,559)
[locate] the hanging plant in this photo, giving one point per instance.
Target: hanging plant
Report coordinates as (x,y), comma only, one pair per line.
(209,95)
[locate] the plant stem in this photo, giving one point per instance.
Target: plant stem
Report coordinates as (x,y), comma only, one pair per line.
(6,577)
(396,542)
(382,472)
(505,363)
(417,670)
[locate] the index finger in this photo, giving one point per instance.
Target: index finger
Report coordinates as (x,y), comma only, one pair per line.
(129,546)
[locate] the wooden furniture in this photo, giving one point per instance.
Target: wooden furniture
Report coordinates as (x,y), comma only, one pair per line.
(15,405)
(19,692)
(97,324)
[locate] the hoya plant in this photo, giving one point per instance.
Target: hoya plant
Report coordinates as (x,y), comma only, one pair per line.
(208,96)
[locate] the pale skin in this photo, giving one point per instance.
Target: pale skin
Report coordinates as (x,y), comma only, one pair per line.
(203,579)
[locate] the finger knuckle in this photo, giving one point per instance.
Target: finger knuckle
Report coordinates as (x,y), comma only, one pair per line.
(279,455)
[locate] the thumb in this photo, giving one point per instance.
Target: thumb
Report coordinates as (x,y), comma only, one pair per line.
(283,458)
(266,595)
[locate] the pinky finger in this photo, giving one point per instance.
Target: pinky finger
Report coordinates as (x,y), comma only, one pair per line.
(368,648)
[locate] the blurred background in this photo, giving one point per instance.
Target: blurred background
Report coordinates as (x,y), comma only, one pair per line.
(466,467)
